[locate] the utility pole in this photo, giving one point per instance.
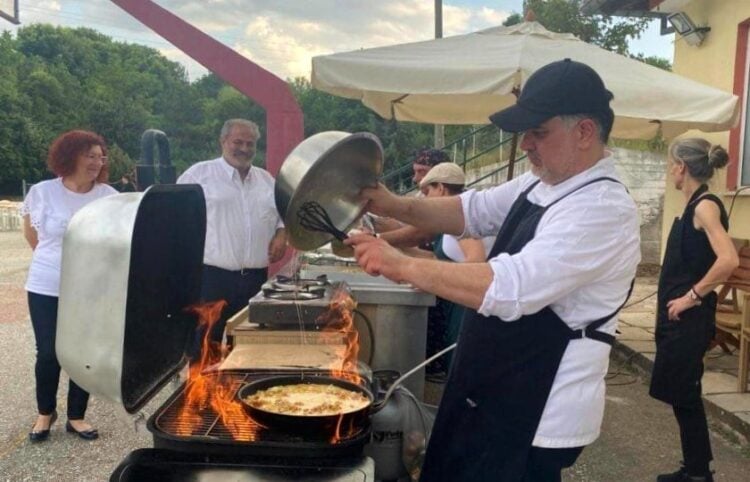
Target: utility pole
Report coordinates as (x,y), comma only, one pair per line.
(439,130)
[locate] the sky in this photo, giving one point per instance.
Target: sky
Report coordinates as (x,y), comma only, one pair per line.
(283,35)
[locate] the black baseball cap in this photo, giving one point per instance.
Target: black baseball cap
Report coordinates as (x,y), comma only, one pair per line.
(565,87)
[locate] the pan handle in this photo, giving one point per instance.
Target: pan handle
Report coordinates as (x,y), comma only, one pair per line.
(375,407)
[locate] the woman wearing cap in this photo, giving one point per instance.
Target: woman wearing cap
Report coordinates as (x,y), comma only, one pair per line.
(78,159)
(699,255)
(448,179)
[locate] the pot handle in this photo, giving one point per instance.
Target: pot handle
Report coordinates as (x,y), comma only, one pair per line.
(377,406)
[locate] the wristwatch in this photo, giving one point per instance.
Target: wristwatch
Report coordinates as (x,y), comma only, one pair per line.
(694,296)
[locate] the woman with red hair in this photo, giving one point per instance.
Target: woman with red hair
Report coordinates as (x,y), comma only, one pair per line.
(78,159)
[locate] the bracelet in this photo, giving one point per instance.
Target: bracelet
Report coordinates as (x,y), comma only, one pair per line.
(699,297)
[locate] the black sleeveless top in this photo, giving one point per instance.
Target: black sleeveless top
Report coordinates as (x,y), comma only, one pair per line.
(696,249)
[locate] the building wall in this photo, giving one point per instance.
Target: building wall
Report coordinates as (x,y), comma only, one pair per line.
(712,63)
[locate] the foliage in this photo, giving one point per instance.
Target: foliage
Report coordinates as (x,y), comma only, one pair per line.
(54,79)
(655,61)
(614,34)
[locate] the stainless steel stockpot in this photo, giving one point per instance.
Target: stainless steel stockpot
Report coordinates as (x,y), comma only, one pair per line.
(330,168)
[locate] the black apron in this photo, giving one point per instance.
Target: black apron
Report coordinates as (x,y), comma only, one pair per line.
(501,377)
(453,313)
(680,345)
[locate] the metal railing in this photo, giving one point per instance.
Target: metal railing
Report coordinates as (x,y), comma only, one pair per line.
(467,151)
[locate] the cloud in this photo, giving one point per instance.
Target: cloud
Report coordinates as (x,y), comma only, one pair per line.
(280,35)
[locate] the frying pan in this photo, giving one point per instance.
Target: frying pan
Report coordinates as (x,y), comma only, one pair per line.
(323,424)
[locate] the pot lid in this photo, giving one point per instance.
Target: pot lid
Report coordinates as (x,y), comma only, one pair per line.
(131,266)
(166,262)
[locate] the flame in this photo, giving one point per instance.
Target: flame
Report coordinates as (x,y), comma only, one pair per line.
(344,432)
(211,392)
(338,319)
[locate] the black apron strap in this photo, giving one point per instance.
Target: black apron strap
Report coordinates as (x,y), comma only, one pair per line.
(592,181)
(590,331)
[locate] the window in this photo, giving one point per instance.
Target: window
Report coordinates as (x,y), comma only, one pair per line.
(744,166)
(738,171)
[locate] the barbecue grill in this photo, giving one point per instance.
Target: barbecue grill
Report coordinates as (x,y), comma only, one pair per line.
(143,257)
(213,437)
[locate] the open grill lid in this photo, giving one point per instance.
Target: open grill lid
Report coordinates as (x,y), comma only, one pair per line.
(131,265)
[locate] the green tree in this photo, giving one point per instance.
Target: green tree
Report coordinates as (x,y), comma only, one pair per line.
(610,33)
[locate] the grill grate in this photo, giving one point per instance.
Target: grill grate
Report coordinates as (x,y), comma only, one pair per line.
(208,432)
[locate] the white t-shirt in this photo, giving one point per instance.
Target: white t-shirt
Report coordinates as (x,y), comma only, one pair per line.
(580,263)
(453,250)
(241,216)
(50,205)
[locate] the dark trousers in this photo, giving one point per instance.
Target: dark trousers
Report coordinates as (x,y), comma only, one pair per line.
(235,287)
(545,465)
(696,446)
(43,310)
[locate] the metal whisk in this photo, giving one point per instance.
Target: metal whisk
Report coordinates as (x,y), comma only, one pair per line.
(313,217)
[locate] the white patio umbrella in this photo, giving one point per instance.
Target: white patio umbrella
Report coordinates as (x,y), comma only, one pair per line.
(465,78)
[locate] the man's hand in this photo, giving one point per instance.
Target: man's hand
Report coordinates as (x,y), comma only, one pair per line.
(277,246)
(377,257)
(380,200)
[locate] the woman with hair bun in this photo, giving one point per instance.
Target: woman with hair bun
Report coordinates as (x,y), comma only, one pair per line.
(78,159)
(699,255)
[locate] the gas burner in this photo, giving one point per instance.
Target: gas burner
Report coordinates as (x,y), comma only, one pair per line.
(294,295)
(293,304)
(286,283)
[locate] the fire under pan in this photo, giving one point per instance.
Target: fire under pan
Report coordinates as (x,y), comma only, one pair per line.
(210,436)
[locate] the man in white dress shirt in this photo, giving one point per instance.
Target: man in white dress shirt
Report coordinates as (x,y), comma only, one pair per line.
(244,232)
(526,388)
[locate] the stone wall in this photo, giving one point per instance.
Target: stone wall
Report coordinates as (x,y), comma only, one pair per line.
(644,174)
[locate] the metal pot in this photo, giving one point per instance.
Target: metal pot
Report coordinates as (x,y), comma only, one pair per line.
(330,168)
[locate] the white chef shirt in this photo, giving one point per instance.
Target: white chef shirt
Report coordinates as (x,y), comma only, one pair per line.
(580,263)
(241,215)
(50,205)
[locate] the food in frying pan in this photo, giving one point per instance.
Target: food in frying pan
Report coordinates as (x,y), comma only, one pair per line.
(308,399)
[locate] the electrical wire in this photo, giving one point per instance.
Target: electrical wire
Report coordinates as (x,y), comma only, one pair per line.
(734,198)
(620,370)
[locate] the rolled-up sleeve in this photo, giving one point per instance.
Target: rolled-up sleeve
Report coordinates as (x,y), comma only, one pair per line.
(485,211)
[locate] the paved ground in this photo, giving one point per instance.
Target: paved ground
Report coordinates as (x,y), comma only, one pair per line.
(639,436)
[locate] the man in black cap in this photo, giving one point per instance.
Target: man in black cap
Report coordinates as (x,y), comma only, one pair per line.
(526,388)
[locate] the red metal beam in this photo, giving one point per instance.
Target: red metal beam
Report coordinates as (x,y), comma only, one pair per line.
(284,123)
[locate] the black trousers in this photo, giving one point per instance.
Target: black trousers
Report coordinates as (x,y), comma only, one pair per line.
(235,287)
(696,446)
(545,465)
(43,310)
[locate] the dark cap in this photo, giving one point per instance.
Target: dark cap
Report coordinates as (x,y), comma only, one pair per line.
(565,87)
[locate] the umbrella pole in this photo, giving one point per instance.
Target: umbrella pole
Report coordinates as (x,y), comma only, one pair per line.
(512,161)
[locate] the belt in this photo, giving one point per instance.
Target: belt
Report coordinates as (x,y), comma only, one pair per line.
(241,272)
